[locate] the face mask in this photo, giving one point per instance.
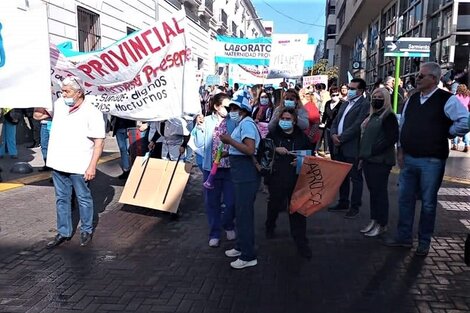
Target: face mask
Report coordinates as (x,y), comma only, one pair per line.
(352,94)
(235,116)
(377,103)
(335,98)
(264,101)
(286,125)
(289,103)
(222,112)
(69,102)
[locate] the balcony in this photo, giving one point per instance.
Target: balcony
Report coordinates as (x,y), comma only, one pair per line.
(205,10)
(221,24)
(192,3)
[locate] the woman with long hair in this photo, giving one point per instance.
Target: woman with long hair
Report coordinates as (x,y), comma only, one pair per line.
(263,108)
(377,157)
(206,136)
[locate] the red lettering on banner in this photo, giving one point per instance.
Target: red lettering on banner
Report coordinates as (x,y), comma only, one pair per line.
(122,57)
(138,47)
(97,66)
(169,32)
(126,45)
(159,37)
(109,62)
(177,27)
(85,68)
(147,42)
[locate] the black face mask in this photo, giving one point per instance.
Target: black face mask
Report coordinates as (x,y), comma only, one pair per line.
(377,103)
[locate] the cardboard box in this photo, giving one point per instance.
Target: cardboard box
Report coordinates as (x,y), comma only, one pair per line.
(154,184)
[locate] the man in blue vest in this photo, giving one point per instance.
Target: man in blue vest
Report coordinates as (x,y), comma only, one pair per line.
(429,118)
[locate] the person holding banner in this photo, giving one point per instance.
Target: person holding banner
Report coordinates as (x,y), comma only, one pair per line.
(243,142)
(75,146)
(290,100)
(377,157)
(288,138)
(345,134)
(206,137)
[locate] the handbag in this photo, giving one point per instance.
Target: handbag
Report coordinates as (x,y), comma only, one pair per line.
(264,157)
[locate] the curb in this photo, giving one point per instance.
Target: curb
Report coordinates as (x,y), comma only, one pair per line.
(31,179)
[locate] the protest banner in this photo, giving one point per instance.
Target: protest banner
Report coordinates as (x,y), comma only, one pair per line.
(154,184)
(250,74)
(212,80)
(287,55)
(24,55)
(317,185)
(244,51)
(313,80)
(148,75)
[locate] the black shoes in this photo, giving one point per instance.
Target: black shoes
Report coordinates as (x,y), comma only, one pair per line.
(34,145)
(352,213)
(85,239)
(422,251)
(44,169)
(124,175)
(58,240)
(340,207)
(392,242)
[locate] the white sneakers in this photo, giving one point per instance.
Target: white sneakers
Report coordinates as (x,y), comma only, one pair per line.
(214,242)
(239,264)
(369,226)
(233,253)
(231,235)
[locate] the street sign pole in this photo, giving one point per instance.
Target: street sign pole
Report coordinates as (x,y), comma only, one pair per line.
(397,84)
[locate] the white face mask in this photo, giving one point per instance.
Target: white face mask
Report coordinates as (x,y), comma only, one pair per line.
(335,98)
(235,116)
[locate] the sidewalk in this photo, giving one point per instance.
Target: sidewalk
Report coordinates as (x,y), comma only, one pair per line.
(140,261)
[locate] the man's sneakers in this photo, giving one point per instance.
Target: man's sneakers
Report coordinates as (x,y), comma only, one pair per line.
(231,235)
(213,242)
(239,264)
(85,239)
(233,253)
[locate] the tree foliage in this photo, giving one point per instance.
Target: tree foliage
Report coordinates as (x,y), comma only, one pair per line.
(322,68)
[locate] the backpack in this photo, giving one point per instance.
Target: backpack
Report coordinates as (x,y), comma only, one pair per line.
(264,157)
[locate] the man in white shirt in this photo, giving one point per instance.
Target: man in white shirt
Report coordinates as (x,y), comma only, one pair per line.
(75,146)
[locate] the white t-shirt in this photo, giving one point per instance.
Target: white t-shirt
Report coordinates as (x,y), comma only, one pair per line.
(70,143)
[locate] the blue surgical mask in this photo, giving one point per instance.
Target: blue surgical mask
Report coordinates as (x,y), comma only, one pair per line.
(235,116)
(264,101)
(286,125)
(69,102)
(289,103)
(352,94)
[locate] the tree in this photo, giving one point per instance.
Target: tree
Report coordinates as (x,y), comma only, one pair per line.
(322,68)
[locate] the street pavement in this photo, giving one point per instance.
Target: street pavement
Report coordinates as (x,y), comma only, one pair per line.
(142,261)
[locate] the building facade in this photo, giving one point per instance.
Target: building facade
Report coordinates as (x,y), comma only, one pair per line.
(363,25)
(95,24)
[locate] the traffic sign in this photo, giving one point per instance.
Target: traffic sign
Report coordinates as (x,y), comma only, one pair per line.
(417,47)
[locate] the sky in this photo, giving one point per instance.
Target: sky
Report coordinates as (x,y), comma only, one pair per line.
(305,11)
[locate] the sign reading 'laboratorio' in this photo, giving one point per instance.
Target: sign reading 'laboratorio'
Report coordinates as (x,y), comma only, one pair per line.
(243,50)
(147,75)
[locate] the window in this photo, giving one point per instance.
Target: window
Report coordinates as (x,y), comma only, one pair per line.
(200,63)
(89,33)
(234,28)
(332,9)
(223,17)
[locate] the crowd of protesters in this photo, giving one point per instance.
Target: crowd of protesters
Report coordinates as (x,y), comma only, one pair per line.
(347,123)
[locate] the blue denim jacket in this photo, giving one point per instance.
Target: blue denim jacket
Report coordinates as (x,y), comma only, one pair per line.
(202,137)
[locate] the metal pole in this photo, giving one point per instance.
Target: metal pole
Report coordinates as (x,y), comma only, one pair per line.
(171,179)
(143,173)
(397,84)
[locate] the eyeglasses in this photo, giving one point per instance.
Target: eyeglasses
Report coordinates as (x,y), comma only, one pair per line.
(352,88)
(421,76)
(335,94)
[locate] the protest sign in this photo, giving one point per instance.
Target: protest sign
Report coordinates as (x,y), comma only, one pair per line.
(154,184)
(148,75)
(212,80)
(24,55)
(287,55)
(245,51)
(250,74)
(317,185)
(313,80)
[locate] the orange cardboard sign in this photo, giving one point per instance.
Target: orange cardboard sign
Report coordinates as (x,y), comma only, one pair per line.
(318,183)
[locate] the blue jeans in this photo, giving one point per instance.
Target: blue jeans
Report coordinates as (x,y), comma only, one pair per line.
(123,143)
(419,175)
(63,183)
(217,217)
(44,140)
(466,140)
(8,139)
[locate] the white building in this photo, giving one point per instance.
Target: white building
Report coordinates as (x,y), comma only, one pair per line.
(95,24)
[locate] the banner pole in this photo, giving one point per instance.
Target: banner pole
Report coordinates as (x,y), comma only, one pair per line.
(143,173)
(397,84)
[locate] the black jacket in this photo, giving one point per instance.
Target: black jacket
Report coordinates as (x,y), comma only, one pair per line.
(330,114)
(283,175)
